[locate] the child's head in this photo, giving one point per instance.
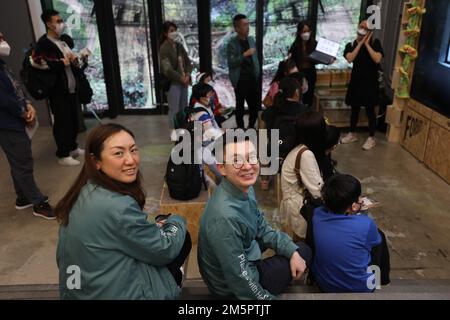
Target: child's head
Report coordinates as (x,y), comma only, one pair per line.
(341,194)
(202,93)
(204,77)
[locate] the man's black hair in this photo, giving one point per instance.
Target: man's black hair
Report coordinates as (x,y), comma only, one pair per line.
(238,18)
(47,16)
(340,192)
(201,90)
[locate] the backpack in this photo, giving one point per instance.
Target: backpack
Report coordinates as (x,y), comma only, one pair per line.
(184,181)
(181,118)
(38,82)
(286,127)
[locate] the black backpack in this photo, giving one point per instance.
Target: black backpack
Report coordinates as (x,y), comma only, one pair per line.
(286,127)
(184,181)
(181,118)
(38,82)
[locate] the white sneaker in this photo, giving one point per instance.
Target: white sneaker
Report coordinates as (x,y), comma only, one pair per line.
(349,138)
(77,153)
(173,136)
(369,144)
(68,161)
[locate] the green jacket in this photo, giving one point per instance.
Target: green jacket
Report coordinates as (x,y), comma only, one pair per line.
(232,233)
(119,253)
(169,61)
(235,58)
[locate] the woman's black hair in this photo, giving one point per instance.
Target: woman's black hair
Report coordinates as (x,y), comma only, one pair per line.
(298,38)
(340,192)
(283,69)
(332,137)
(310,130)
(287,88)
(165,28)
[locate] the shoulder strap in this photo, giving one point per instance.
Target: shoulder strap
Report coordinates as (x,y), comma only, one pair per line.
(298,161)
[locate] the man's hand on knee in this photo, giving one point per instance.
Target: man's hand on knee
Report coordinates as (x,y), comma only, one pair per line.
(298,266)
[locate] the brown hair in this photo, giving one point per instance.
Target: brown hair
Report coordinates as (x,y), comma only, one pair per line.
(94,147)
(165,28)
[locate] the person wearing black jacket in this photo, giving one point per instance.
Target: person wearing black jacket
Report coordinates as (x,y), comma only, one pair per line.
(17,113)
(300,50)
(55,55)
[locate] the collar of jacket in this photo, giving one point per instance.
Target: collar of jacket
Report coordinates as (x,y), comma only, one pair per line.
(233,190)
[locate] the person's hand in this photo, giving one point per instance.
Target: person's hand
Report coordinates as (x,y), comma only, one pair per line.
(161,223)
(187,80)
(66,61)
(368,38)
(298,266)
(249,52)
(30,114)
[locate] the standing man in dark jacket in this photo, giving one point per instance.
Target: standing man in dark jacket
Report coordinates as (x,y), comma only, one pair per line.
(53,54)
(243,68)
(16,113)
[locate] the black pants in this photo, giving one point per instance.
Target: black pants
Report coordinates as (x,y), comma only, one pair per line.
(370,110)
(275,272)
(17,147)
(175,265)
(65,126)
(311,77)
(380,257)
(247,90)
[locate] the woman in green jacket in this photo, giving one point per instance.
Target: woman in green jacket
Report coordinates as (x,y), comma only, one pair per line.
(107,249)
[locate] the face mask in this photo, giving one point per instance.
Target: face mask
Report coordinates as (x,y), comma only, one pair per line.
(5,49)
(211,83)
(172,36)
(59,29)
(306,36)
(362,32)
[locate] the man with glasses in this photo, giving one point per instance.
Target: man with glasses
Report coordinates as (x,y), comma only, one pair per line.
(234,234)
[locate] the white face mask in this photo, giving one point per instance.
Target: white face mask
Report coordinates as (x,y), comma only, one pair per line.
(5,49)
(362,32)
(306,36)
(59,29)
(172,35)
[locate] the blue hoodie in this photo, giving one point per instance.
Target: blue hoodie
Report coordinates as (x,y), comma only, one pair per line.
(12,101)
(342,250)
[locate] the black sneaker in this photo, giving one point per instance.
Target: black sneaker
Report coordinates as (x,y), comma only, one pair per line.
(22,204)
(43,210)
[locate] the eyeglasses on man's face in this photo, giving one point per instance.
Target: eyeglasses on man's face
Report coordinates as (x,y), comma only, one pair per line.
(238,162)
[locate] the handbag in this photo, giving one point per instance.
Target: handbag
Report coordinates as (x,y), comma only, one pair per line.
(84,89)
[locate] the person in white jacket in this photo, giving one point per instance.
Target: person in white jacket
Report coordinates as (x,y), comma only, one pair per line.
(310,137)
(203,94)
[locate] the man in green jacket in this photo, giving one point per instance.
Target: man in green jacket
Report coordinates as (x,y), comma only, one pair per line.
(233,234)
(243,66)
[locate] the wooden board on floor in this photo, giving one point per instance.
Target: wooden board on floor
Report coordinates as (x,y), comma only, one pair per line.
(437,156)
(191,210)
(415,133)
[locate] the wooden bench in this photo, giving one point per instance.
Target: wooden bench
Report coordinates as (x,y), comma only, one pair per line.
(191,210)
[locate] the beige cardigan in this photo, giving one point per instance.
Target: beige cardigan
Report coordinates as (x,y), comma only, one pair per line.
(293,192)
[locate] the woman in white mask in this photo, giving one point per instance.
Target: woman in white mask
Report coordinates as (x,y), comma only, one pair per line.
(176,69)
(300,50)
(365,53)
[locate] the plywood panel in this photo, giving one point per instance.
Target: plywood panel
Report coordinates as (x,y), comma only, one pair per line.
(191,210)
(415,133)
(441,120)
(437,156)
(420,108)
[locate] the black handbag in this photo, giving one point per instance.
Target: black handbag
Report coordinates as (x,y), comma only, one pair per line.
(84,89)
